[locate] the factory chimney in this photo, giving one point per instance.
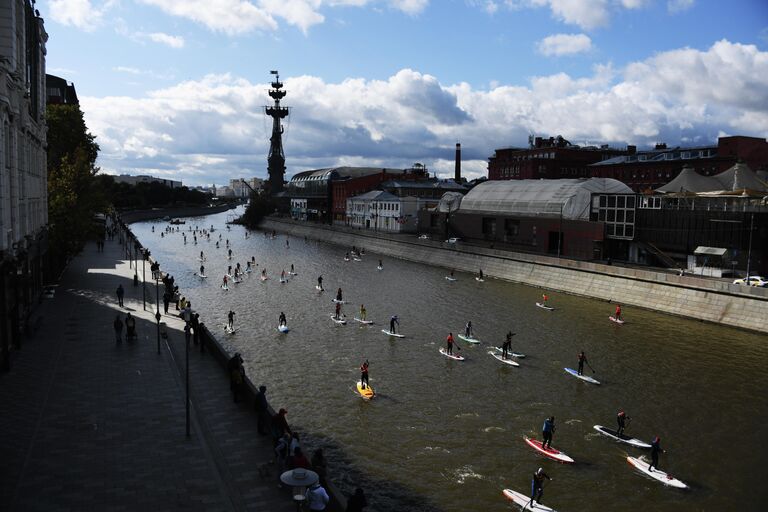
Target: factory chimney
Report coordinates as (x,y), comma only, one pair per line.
(457,169)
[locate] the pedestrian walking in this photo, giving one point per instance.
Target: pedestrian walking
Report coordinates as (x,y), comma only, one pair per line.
(166,301)
(317,497)
(261,406)
(236,375)
(196,328)
(118,324)
(120,294)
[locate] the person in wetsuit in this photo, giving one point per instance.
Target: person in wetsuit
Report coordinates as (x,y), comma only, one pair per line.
(506,348)
(537,486)
(621,420)
(392,322)
(449,344)
(547,431)
(282,320)
(364,374)
(582,359)
(320,282)
(655,451)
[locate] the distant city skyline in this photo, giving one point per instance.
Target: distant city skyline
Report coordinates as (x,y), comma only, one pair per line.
(175,89)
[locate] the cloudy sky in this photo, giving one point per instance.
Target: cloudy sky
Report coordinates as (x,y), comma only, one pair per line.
(176,88)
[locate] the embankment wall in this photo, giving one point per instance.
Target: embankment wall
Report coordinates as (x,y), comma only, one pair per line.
(688,296)
(159,213)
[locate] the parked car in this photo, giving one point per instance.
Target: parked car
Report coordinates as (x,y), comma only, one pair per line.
(423,237)
(452,240)
(753,281)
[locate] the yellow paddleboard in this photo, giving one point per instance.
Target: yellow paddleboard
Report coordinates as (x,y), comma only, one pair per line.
(366,392)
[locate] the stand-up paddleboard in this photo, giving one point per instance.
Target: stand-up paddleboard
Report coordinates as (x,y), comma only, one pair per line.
(338,320)
(248,270)
(283,328)
(523,501)
(365,392)
(364,322)
(583,377)
(451,356)
(469,339)
(237,281)
(624,439)
(228,330)
(642,465)
(264,278)
(479,280)
(225,288)
(318,288)
(379,268)
(293,273)
(203,276)
(336,301)
(346,259)
(449,278)
(512,354)
(356,259)
(614,319)
(544,306)
(283,280)
(549,452)
(388,333)
(505,361)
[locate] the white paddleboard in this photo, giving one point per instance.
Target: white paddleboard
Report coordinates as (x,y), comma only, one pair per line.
(365,322)
(201,275)
(614,319)
(522,500)
(637,443)
(318,288)
(388,333)
(642,465)
(225,288)
(228,330)
(336,301)
(379,268)
(479,280)
(469,339)
(582,376)
(264,278)
(283,280)
(544,306)
(283,328)
(452,356)
(449,278)
(505,361)
(338,321)
(293,273)
(512,354)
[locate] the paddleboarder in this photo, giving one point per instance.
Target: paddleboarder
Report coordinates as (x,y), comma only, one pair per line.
(392,322)
(481,274)
(320,283)
(621,420)
(617,315)
(655,451)
(544,299)
(282,320)
(202,270)
(449,344)
(337,315)
(507,346)
(292,271)
(468,329)
(547,431)
(338,295)
(583,359)
(364,374)
(231,320)
(537,487)
(362,312)
(224,282)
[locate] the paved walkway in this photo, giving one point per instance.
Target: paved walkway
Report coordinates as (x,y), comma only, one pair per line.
(90,424)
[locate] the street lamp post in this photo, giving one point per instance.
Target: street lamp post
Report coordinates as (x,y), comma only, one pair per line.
(187,336)
(144,277)
(749,250)
(157,315)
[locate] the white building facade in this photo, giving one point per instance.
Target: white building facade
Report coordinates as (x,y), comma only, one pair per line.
(381,211)
(23,167)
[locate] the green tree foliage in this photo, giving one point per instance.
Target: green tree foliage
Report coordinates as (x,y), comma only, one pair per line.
(260,206)
(147,195)
(73,200)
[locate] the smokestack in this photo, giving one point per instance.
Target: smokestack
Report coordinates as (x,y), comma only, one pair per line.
(457,172)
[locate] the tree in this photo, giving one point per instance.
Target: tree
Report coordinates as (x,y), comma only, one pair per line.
(259,207)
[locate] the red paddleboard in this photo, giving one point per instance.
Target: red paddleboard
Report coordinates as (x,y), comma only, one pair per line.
(549,452)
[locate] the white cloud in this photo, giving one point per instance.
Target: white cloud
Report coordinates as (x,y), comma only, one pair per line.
(166,39)
(564,44)
(126,69)
(214,128)
(82,14)
(587,14)
(679,5)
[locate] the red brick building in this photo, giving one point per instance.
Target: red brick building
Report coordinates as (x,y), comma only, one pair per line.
(551,158)
(649,170)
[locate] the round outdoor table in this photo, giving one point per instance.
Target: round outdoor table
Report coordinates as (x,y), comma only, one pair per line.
(299,479)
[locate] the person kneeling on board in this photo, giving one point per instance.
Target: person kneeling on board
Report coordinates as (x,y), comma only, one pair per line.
(364,374)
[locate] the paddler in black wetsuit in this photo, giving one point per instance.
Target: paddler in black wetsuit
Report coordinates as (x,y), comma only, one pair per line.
(537,487)
(468,329)
(507,346)
(364,374)
(392,322)
(621,420)
(582,360)
(202,270)
(655,450)
(338,295)
(320,283)
(337,315)
(231,320)
(281,320)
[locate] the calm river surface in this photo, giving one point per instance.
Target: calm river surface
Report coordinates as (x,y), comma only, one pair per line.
(448,435)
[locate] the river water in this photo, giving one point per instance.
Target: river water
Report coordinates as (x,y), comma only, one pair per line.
(447,435)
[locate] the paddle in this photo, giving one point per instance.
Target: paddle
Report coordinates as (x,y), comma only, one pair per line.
(590,366)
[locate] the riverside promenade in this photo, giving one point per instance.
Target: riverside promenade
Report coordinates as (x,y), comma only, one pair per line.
(89,424)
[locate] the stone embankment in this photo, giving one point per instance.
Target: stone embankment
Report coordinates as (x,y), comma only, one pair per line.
(687,296)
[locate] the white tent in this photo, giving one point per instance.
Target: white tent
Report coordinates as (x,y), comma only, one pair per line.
(740,178)
(689,181)
(570,198)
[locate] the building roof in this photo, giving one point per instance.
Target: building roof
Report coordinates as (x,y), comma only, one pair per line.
(336,173)
(740,177)
(689,181)
(450,202)
(375,195)
(431,184)
(570,198)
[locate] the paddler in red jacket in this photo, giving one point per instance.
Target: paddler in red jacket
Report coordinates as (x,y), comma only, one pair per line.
(449,342)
